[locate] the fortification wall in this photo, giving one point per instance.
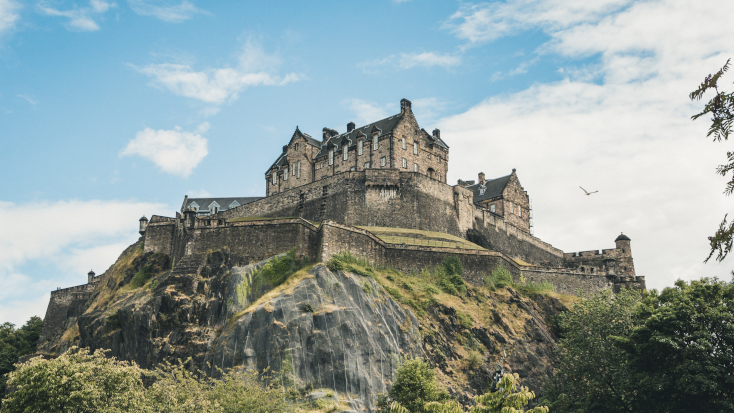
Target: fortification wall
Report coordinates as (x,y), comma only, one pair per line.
(568,282)
(64,306)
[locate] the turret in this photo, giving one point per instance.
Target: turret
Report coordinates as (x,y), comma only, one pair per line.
(623,243)
(189,217)
(143,225)
(90,277)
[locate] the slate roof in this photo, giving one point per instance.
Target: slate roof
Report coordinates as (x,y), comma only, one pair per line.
(494,188)
(224,203)
(622,237)
(350,138)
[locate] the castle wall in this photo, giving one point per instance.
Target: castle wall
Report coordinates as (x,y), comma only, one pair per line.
(63,308)
(159,235)
(568,282)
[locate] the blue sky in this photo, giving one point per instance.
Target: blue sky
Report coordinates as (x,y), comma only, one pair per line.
(113,110)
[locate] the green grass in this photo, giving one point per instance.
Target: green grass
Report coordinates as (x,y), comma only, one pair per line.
(432,239)
(502,278)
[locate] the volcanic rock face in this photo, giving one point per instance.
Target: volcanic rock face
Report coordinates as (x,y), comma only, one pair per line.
(332,330)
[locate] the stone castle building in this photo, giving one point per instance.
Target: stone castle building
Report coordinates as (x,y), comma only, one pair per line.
(380,192)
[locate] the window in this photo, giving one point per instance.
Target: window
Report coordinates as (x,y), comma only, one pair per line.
(322,164)
(353,169)
(415,148)
(345,149)
(519,211)
(429,156)
(491,208)
(512,208)
(295,146)
(382,161)
(275,178)
(298,170)
(214,210)
(439,176)
(294,169)
(366,165)
(285,174)
(360,147)
(415,167)
(404,142)
(375,143)
(331,157)
(405,163)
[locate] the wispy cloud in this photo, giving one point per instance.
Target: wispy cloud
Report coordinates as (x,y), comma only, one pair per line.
(367,112)
(8,14)
(614,125)
(91,235)
(483,22)
(520,69)
(28,99)
(168,11)
(216,86)
(174,151)
(410,60)
(80,19)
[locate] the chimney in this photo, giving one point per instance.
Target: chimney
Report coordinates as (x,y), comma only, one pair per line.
(327,133)
(437,133)
(481,177)
(405,106)
(350,126)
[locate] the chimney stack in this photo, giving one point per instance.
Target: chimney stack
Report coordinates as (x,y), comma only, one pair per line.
(350,127)
(437,133)
(327,133)
(481,177)
(405,106)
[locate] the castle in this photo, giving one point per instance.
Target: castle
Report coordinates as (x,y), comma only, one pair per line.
(380,192)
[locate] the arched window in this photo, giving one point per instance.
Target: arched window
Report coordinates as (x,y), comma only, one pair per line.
(415,167)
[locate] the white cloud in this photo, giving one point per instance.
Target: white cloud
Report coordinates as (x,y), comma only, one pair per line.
(428,110)
(488,21)
(410,60)
(28,99)
(80,19)
(65,239)
(628,134)
(427,59)
(219,85)
(174,151)
(8,14)
(368,112)
(173,12)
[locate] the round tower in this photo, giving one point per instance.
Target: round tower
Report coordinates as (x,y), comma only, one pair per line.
(623,243)
(90,277)
(143,225)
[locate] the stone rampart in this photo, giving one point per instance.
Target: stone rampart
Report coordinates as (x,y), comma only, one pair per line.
(568,282)
(64,306)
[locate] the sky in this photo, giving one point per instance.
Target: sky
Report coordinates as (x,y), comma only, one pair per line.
(114,110)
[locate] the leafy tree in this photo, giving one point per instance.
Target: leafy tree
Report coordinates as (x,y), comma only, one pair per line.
(15,343)
(721,109)
(507,399)
(593,373)
(76,381)
(682,351)
(414,386)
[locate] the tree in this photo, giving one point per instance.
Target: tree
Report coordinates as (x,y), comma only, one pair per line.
(721,109)
(76,381)
(682,350)
(593,373)
(415,385)
(16,343)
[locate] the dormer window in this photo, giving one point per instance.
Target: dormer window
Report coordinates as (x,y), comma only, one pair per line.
(331,157)
(195,206)
(234,204)
(285,173)
(482,189)
(213,208)
(360,147)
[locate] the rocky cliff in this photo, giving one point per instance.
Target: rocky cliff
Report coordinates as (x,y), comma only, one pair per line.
(343,331)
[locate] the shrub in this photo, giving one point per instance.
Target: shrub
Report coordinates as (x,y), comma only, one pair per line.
(308,308)
(141,278)
(415,385)
(465,320)
(533,288)
(501,277)
(452,266)
(473,360)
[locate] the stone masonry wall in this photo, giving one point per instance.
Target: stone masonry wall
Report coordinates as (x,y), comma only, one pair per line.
(65,305)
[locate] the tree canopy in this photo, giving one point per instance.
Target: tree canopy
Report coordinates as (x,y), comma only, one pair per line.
(16,343)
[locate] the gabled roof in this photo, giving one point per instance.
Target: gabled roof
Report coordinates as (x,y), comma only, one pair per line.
(435,139)
(223,202)
(384,126)
(494,188)
(311,141)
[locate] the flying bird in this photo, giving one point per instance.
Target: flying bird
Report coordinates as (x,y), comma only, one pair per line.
(587,192)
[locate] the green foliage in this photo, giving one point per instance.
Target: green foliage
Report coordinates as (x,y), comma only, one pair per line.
(593,374)
(465,320)
(449,276)
(489,283)
(532,288)
(507,399)
(308,308)
(140,278)
(15,343)
(415,385)
(271,275)
(681,352)
(501,277)
(473,360)
(721,110)
(76,381)
(345,261)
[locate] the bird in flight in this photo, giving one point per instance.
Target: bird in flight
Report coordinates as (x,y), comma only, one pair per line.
(587,192)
